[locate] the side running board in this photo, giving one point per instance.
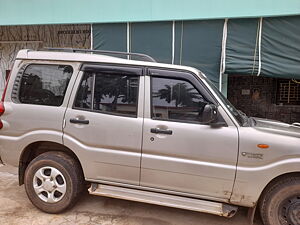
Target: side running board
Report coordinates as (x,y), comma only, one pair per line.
(220,209)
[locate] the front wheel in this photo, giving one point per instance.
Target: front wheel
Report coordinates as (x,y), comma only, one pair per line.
(280,205)
(53,182)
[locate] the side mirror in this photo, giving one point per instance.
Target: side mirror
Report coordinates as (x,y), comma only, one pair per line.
(210,114)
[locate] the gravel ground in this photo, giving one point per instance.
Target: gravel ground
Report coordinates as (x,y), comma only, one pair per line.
(15,208)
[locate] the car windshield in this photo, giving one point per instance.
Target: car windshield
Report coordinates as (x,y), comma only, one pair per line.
(241,117)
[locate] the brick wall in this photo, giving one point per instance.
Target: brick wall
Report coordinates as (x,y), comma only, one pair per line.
(256,96)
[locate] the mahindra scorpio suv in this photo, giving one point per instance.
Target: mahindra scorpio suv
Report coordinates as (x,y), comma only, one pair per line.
(142,131)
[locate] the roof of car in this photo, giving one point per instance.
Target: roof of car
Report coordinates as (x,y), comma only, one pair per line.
(90,57)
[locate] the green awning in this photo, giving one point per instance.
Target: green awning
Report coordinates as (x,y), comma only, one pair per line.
(280,47)
(111,37)
(277,46)
(198,44)
(242,46)
(154,39)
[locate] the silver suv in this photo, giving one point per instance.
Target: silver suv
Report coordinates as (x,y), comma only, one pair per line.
(142,131)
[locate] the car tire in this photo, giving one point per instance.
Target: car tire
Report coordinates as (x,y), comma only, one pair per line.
(280,204)
(53,182)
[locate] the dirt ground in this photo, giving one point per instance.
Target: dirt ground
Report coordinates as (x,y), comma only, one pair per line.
(15,208)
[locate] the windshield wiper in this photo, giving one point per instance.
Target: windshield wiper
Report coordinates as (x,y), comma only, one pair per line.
(245,118)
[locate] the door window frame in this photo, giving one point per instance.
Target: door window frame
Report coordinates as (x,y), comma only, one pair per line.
(93,68)
(185,76)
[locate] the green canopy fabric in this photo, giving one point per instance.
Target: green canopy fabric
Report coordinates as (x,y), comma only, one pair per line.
(111,37)
(199,44)
(242,47)
(154,39)
(280,47)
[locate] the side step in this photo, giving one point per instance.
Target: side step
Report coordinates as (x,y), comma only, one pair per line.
(198,205)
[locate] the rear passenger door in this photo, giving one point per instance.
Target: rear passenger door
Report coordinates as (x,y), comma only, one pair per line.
(103,122)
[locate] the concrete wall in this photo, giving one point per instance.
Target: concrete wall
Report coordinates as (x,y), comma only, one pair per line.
(17,12)
(14,38)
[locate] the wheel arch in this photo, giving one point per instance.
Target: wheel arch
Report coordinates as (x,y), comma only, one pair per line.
(277,179)
(36,148)
(268,194)
(253,210)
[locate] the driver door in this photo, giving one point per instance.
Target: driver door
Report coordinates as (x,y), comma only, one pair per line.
(179,152)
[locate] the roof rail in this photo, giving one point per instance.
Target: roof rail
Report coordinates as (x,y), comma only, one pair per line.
(138,55)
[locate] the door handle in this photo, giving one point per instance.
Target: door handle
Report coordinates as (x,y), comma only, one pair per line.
(160,131)
(79,121)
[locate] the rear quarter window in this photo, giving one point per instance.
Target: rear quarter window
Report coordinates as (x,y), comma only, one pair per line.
(43,84)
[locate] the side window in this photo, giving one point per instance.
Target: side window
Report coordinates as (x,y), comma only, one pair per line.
(113,93)
(176,100)
(116,94)
(44,84)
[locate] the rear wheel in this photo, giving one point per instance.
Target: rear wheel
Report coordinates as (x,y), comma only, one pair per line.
(280,204)
(53,182)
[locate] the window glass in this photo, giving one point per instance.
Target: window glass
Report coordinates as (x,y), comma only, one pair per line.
(44,84)
(112,93)
(84,93)
(178,100)
(116,94)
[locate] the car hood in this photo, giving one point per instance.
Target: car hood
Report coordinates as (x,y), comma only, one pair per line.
(277,127)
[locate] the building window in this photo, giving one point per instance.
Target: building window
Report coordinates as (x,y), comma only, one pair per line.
(288,92)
